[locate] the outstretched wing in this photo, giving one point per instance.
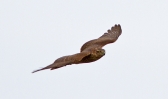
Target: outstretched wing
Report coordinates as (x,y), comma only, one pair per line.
(109,37)
(65,60)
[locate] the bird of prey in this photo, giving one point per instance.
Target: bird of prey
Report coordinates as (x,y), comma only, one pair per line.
(90,51)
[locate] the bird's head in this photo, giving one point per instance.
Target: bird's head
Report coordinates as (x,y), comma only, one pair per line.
(100,52)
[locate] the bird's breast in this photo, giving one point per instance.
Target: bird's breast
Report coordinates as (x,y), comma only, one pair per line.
(91,58)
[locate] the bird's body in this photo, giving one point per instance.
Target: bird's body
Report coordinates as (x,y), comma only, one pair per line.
(90,51)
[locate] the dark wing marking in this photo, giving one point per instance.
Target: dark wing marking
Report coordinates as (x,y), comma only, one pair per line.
(110,37)
(65,60)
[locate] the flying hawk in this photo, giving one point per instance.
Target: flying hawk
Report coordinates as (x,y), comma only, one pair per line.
(90,51)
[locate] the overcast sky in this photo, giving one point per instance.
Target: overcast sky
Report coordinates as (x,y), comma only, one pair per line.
(33,33)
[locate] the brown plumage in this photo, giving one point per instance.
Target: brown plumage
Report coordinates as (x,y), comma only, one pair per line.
(89,52)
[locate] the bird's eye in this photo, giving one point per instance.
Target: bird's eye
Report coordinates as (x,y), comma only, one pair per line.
(98,51)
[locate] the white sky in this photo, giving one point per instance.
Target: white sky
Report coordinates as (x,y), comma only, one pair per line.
(33,33)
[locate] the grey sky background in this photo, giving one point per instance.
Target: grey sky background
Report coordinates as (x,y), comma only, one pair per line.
(33,33)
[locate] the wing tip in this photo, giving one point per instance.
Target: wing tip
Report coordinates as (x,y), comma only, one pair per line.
(118,27)
(36,70)
(47,67)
